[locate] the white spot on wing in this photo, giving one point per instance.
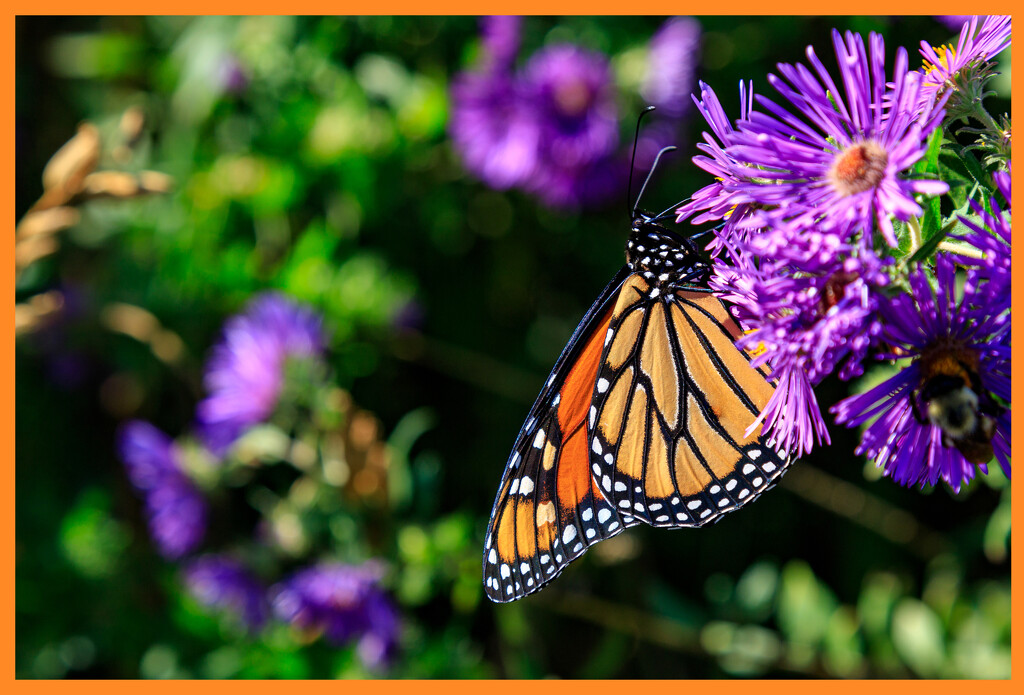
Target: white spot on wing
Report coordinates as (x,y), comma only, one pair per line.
(602,516)
(587,514)
(620,486)
(538,441)
(602,385)
(505,572)
(526,487)
(568,534)
(492,557)
(749,468)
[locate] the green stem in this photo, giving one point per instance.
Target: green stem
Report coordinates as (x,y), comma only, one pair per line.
(916,238)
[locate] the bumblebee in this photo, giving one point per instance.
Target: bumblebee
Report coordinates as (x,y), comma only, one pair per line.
(951,398)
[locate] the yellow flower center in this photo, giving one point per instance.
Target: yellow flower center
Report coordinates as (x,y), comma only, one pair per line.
(946,55)
(759,350)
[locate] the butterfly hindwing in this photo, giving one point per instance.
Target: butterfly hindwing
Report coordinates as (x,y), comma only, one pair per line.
(548,510)
(672,403)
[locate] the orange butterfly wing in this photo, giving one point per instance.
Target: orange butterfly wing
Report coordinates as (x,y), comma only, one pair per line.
(549,510)
(674,398)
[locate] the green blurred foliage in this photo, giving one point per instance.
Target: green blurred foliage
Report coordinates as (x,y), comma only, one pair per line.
(310,156)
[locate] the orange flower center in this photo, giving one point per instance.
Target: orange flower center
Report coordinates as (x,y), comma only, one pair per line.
(858,168)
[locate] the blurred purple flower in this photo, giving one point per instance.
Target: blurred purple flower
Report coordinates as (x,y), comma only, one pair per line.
(840,159)
(575,103)
(953,69)
(938,417)
(953,22)
(245,373)
(344,602)
(233,76)
(175,508)
(500,35)
(494,128)
(673,53)
(221,583)
(569,187)
(551,130)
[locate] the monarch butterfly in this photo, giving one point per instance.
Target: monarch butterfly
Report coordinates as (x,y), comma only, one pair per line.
(642,419)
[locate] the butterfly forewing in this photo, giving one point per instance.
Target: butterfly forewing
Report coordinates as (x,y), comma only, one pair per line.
(673,400)
(549,510)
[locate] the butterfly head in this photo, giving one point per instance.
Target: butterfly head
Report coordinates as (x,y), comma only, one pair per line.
(662,256)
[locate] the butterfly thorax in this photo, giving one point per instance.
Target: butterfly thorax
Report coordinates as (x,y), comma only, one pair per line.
(661,256)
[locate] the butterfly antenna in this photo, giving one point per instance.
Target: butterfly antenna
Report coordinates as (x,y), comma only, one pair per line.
(672,208)
(654,166)
(632,160)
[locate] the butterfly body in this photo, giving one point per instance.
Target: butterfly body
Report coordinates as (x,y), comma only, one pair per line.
(642,420)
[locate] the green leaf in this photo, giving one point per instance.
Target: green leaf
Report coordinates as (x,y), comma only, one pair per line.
(932,243)
(929,164)
(918,635)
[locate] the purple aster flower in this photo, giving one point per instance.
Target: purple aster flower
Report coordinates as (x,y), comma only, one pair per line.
(500,37)
(992,238)
(963,70)
(175,508)
(840,158)
(494,128)
(939,417)
(575,103)
(723,199)
(245,373)
(804,326)
(673,53)
(345,603)
(221,583)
